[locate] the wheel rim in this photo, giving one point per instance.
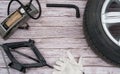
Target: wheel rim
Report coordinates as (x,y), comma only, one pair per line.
(110,17)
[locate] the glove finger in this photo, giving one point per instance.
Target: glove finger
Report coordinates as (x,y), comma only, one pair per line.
(70,56)
(63,60)
(56,72)
(57,67)
(59,63)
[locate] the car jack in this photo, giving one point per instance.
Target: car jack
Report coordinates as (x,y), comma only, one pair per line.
(10,47)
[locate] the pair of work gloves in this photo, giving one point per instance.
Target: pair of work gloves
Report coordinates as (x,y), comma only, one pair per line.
(68,65)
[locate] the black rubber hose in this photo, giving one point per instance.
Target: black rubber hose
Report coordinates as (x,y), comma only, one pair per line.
(8,10)
(66,6)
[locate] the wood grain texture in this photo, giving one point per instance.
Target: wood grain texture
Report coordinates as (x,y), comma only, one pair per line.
(56,32)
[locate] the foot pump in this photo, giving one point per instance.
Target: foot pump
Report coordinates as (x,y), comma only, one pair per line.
(18,18)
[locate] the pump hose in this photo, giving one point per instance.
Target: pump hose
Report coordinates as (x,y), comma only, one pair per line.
(9,5)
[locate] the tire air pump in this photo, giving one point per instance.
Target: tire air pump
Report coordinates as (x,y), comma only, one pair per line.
(18,18)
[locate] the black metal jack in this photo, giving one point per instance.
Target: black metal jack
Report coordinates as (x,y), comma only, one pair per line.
(9,47)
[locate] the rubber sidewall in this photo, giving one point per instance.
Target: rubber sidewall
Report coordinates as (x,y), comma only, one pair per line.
(95,32)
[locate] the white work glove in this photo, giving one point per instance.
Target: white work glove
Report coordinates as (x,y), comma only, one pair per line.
(68,65)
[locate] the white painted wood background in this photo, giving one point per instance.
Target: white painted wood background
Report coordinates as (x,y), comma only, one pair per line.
(57,31)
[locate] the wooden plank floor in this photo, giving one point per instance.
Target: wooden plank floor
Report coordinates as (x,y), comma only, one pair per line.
(57,31)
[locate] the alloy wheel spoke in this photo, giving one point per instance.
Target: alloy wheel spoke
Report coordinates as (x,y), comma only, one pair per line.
(111,18)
